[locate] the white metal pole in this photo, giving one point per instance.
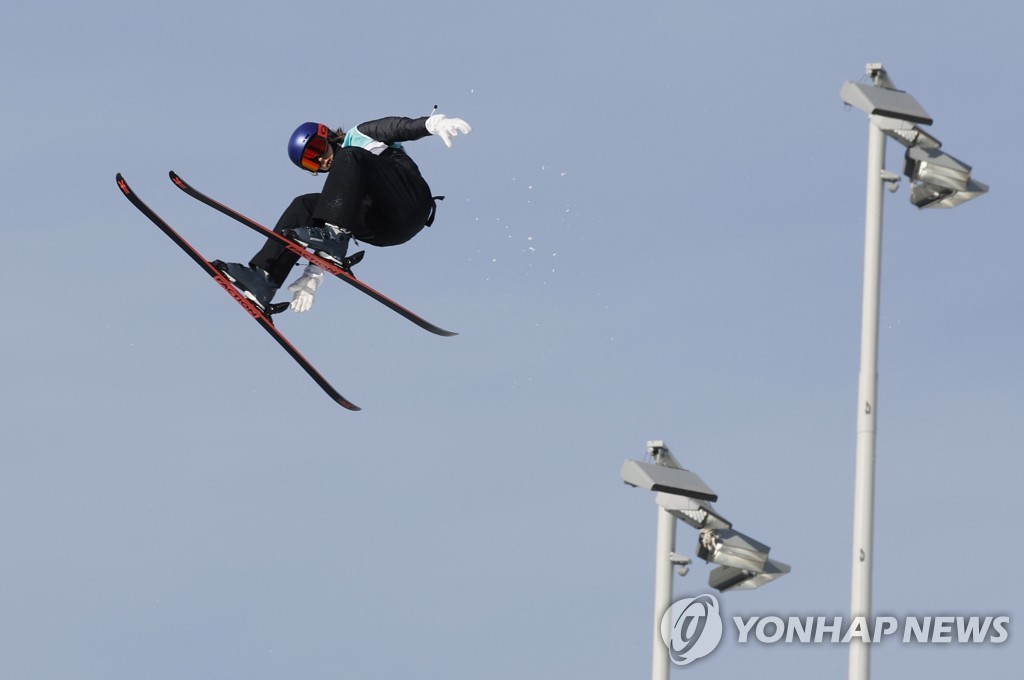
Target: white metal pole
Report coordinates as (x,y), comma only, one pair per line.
(867,411)
(662,590)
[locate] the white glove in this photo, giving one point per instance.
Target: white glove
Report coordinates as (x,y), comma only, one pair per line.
(305,287)
(446,128)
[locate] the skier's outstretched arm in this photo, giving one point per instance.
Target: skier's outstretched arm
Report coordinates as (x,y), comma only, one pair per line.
(400,129)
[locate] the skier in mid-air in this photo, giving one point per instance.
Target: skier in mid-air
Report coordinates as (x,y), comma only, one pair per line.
(374,193)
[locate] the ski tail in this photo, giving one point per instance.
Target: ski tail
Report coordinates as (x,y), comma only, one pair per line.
(258,314)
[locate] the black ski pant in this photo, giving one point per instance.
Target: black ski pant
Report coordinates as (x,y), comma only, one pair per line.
(379,199)
(274,257)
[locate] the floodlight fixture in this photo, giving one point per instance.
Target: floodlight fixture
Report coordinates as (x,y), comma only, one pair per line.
(666,479)
(930,196)
(731,578)
(894,112)
(940,180)
(905,132)
(934,166)
(730,548)
(699,514)
(884,101)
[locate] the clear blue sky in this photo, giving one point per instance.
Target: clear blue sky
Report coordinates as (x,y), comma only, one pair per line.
(655,232)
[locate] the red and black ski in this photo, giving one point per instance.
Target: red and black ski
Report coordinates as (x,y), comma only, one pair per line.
(258,314)
(342,273)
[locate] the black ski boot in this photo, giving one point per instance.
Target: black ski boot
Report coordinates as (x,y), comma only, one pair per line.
(253,282)
(328,241)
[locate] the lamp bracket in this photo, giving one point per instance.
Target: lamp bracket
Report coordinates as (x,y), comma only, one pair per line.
(892,180)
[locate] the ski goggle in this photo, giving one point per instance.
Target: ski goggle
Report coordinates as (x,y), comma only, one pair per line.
(314,150)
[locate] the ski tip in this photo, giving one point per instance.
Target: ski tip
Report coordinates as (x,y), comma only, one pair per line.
(122,184)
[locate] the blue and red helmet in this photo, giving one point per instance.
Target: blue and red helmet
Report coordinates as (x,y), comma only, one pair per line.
(307,144)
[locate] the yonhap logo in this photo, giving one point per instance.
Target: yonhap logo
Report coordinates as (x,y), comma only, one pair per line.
(692,628)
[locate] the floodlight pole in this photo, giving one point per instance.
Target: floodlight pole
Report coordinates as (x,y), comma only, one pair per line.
(867,411)
(890,112)
(666,545)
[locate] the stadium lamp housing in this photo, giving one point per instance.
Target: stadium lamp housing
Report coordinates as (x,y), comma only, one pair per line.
(699,514)
(730,578)
(884,102)
(665,479)
(930,196)
(940,180)
(731,548)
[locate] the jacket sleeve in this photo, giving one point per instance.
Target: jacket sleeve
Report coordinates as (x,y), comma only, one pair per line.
(394,129)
